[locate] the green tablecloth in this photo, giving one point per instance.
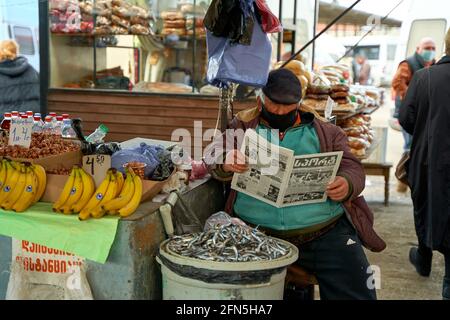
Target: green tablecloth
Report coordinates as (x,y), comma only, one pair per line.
(91,239)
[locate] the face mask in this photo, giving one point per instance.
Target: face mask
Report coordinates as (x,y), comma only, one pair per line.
(280,122)
(428,55)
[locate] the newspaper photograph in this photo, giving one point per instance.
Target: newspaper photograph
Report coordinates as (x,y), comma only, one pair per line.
(309,178)
(278,178)
(268,169)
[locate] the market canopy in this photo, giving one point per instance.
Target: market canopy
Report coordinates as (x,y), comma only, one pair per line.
(329,11)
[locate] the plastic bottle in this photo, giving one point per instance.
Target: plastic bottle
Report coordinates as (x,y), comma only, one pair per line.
(14,114)
(65,116)
(48,125)
(37,124)
(23,119)
(30,114)
(67,130)
(53,115)
(57,128)
(6,122)
(98,135)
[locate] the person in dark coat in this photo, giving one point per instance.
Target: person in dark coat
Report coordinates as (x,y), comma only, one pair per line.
(425,114)
(19,81)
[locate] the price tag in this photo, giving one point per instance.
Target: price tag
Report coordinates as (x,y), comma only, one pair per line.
(329,108)
(97,165)
(20,134)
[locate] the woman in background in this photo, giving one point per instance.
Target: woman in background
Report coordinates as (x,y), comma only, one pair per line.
(19,81)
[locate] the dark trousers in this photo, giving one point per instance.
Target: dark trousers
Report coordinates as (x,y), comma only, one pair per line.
(338,261)
(427,254)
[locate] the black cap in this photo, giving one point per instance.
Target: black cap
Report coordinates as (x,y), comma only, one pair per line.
(283,87)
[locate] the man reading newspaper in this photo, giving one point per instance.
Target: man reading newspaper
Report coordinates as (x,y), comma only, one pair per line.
(329,234)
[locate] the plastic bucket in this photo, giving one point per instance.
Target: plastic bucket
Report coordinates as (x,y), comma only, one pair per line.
(186,278)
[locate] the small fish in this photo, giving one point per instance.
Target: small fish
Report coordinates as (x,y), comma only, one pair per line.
(229,243)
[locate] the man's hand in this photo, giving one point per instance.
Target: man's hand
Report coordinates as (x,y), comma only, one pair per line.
(338,189)
(235,162)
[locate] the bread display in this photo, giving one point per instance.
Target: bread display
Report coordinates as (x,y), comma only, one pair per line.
(359,133)
(112,17)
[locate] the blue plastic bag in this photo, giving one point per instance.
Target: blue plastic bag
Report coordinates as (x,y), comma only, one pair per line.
(246,65)
(148,154)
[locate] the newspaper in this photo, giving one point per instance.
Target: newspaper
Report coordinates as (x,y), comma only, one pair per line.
(279,178)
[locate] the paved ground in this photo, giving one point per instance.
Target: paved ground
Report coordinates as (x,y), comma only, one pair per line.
(395,224)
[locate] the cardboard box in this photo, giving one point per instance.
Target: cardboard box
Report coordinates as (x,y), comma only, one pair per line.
(61,161)
(55,184)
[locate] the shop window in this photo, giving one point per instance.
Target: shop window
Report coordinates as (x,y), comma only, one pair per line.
(143,46)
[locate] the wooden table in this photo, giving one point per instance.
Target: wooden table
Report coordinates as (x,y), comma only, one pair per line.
(375,164)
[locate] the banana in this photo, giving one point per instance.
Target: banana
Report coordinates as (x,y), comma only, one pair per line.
(120,182)
(41,177)
(66,192)
(16,190)
(88,191)
(131,207)
(2,173)
(11,179)
(75,193)
(98,212)
(95,199)
(112,207)
(28,193)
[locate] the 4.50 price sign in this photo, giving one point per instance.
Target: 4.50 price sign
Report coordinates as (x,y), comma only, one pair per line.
(97,165)
(20,134)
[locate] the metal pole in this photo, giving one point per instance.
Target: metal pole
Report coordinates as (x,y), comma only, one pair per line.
(224,105)
(44,55)
(316,19)
(332,23)
(280,34)
(194,50)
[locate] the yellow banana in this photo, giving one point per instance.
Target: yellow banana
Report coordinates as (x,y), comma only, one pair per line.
(28,193)
(75,193)
(11,179)
(97,197)
(16,190)
(131,207)
(66,192)
(41,177)
(98,212)
(3,173)
(88,191)
(120,182)
(112,207)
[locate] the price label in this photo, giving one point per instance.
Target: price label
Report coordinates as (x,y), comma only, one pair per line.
(329,108)
(97,165)
(20,134)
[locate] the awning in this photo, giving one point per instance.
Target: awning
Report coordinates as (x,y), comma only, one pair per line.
(328,11)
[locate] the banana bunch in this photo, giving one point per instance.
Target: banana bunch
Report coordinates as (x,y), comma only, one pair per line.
(76,193)
(116,195)
(22,185)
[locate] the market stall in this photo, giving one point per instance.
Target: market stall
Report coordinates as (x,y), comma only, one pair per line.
(128,72)
(44,237)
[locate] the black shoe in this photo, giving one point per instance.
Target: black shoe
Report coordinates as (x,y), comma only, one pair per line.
(446,289)
(423,265)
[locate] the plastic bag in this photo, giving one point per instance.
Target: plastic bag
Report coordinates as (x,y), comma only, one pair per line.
(269,22)
(246,65)
(23,285)
(226,18)
(222,218)
(122,157)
